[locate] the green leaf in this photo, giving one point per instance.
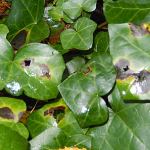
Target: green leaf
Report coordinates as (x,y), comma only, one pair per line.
(81,90)
(28,19)
(101,42)
(42,29)
(74,8)
(75,64)
(130,49)
(130,11)
(56,13)
(115,100)
(126,129)
(18,127)
(52,138)
(36,69)
(70,126)
(81,37)
(80,141)
(10,139)
(46,117)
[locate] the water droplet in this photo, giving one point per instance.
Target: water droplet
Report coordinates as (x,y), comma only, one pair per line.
(14,88)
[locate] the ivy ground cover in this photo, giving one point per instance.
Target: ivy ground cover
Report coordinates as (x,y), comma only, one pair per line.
(74,74)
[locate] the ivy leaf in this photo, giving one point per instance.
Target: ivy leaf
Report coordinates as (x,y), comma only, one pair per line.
(18,127)
(46,117)
(52,138)
(130,49)
(17,142)
(53,115)
(74,8)
(36,69)
(75,64)
(101,42)
(81,37)
(123,131)
(27,16)
(11,111)
(81,90)
(127,11)
(80,141)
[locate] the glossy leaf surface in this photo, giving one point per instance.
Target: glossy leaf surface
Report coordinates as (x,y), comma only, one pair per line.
(123,131)
(28,16)
(127,11)
(52,138)
(81,37)
(46,117)
(36,69)
(130,49)
(81,90)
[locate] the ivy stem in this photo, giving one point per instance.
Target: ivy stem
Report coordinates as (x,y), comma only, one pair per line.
(34,107)
(102,25)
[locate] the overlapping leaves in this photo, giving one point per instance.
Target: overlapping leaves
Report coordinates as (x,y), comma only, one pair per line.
(81,90)
(74,8)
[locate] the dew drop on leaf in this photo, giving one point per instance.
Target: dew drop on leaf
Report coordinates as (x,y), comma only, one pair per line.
(14,88)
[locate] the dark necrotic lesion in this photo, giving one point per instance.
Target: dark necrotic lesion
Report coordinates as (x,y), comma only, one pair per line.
(141,82)
(6,113)
(123,69)
(56,112)
(138,30)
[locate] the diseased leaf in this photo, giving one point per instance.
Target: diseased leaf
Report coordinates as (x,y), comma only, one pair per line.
(81,37)
(46,117)
(27,15)
(130,49)
(36,69)
(11,111)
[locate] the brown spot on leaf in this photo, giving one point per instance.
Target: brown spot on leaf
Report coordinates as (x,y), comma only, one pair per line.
(27,62)
(6,113)
(56,112)
(45,71)
(138,30)
(87,71)
(123,69)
